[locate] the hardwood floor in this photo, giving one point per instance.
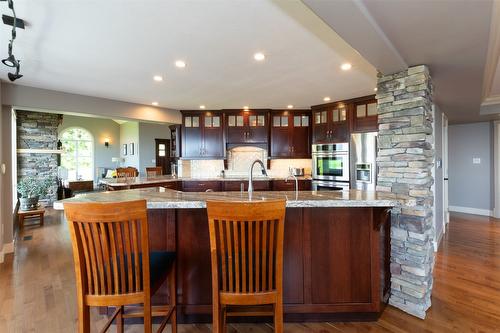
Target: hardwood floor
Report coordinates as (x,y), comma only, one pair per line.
(37,286)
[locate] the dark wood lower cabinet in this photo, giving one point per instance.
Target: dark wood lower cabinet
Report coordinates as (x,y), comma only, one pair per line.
(201,186)
(289,185)
(336,263)
(236,185)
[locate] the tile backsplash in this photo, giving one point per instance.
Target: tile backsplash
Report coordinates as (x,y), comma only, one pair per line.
(238,162)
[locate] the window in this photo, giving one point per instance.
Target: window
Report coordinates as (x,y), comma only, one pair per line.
(78,155)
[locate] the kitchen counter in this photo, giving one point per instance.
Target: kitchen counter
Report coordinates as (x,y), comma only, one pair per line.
(168,178)
(159,198)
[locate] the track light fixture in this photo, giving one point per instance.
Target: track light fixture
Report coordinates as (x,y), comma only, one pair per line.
(11,60)
(14,76)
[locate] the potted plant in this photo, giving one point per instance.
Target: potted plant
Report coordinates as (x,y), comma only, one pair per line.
(30,189)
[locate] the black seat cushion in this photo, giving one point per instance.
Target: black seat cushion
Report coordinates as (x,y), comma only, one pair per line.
(160,263)
(159,266)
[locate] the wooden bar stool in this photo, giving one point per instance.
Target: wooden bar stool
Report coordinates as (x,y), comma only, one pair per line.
(246,247)
(154,171)
(114,266)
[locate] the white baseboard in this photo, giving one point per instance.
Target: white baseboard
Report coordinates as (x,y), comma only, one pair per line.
(436,243)
(469,210)
(7,248)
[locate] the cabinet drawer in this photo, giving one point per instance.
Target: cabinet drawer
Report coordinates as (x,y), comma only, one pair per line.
(235,185)
(281,185)
(201,186)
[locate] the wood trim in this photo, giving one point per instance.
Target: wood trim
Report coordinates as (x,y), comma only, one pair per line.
(39,151)
(493,53)
(347,101)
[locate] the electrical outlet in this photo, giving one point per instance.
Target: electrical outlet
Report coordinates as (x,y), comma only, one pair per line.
(476,160)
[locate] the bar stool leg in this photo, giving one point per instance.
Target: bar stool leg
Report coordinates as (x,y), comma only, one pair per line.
(119,320)
(148,324)
(278,317)
(173,298)
(83,319)
(41,219)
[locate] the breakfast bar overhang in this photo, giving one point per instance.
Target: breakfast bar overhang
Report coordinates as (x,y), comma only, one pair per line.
(336,249)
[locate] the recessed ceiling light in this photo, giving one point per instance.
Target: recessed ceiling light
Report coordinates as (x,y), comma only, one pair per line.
(155,103)
(327,99)
(290,106)
(345,67)
(202,106)
(259,56)
(245,108)
(180,63)
(158,78)
(375,89)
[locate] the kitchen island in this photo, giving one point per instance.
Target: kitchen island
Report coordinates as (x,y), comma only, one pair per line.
(336,248)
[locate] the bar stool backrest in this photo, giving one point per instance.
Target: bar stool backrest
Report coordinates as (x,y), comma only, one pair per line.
(246,243)
(110,250)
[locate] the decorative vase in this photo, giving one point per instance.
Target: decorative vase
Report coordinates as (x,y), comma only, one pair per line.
(29,203)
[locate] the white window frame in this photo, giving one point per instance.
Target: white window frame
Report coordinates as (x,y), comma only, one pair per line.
(92,152)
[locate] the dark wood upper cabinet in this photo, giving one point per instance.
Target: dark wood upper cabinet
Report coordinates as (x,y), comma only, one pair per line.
(250,126)
(334,122)
(365,116)
(331,123)
(291,134)
(202,135)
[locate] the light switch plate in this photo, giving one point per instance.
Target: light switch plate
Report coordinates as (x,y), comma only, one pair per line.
(476,160)
(3,168)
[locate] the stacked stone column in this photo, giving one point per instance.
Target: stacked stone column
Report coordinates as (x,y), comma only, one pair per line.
(405,161)
(36,130)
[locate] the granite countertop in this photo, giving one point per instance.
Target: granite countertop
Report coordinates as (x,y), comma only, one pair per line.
(169,178)
(158,198)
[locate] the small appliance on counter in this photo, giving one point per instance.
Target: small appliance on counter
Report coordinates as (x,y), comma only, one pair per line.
(297,172)
(364,161)
(330,167)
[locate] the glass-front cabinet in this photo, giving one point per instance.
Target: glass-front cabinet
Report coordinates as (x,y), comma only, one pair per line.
(291,134)
(331,123)
(202,135)
(247,126)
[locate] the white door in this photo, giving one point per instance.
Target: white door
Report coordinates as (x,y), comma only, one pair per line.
(446,211)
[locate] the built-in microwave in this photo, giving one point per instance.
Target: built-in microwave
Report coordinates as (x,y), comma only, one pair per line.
(330,162)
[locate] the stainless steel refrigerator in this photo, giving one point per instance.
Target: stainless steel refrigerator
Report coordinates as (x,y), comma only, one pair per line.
(363,161)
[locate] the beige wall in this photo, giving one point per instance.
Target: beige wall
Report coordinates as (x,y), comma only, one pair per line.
(7,211)
(34,99)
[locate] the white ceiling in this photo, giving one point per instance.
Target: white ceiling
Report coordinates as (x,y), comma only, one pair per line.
(451,37)
(112,49)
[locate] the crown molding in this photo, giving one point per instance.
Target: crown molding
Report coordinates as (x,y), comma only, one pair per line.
(493,55)
(492,100)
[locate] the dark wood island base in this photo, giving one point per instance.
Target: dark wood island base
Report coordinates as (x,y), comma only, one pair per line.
(336,262)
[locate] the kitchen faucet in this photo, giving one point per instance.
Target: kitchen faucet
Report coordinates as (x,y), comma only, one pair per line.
(291,175)
(250,174)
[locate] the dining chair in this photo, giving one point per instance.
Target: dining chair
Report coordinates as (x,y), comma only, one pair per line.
(246,247)
(154,171)
(128,172)
(113,264)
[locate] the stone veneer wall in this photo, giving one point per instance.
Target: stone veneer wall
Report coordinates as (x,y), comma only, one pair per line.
(405,159)
(36,130)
